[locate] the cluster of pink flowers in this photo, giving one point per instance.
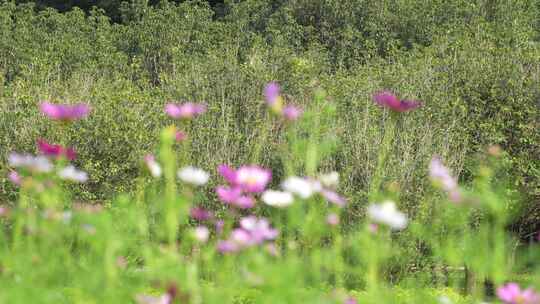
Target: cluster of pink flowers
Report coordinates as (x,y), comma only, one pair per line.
(272,95)
(186,110)
(252,231)
(64,112)
(440,175)
(511,293)
(41,163)
(242,183)
(389,100)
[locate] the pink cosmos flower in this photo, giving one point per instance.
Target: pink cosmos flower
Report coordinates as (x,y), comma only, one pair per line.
(146,299)
(233,196)
(15,178)
(389,100)
(252,231)
(180,136)
(4,211)
(219,226)
(64,112)
(228,173)
(512,294)
(227,246)
(333,197)
(201,214)
(259,228)
(441,176)
(253,179)
(350,300)
(55,151)
(291,112)
(373,228)
(271,92)
(332,219)
(186,110)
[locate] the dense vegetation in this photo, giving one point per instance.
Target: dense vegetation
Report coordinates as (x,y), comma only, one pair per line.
(473,64)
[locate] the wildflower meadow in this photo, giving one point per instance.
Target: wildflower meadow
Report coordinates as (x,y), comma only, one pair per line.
(336,178)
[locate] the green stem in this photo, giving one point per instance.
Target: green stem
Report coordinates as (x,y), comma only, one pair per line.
(386,147)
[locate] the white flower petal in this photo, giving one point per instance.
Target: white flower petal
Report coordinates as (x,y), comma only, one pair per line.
(277,198)
(72,174)
(386,213)
(194,176)
(299,186)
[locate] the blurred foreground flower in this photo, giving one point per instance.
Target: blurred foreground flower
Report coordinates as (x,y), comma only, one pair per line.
(152,165)
(272,96)
(64,112)
(15,178)
(350,300)
(389,100)
(194,176)
(291,112)
(56,151)
(201,234)
(271,92)
(332,219)
(73,174)
(180,136)
(200,214)
(387,213)
(252,231)
(252,179)
(512,294)
(329,179)
(33,163)
(186,110)
(301,187)
(145,299)
(441,177)
(277,198)
(306,187)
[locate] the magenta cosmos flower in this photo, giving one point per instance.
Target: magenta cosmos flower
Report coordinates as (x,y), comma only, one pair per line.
(186,110)
(64,112)
(56,151)
(389,100)
(512,294)
(201,214)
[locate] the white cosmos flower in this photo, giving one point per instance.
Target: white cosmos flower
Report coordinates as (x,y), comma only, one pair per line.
(201,233)
(72,174)
(194,176)
(30,162)
(299,186)
(153,165)
(387,213)
(330,180)
(277,198)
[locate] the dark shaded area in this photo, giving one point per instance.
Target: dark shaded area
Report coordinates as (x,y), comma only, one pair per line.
(112,8)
